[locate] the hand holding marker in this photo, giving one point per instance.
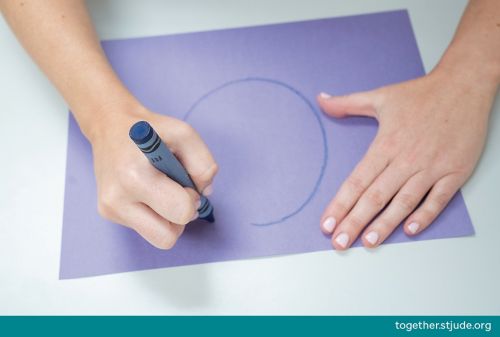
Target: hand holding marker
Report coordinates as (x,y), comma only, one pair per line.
(164,160)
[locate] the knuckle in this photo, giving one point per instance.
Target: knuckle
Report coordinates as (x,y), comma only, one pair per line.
(340,207)
(426,214)
(463,169)
(355,184)
(185,210)
(387,145)
(106,205)
(355,221)
(184,130)
(131,174)
(407,202)
(128,177)
(437,156)
(104,210)
(406,165)
(208,174)
(108,200)
(212,171)
(375,198)
(441,199)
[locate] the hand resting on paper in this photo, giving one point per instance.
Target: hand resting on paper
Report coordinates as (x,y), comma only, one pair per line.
(431,134)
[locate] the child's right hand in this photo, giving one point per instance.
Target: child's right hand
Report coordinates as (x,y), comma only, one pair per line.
(134,193)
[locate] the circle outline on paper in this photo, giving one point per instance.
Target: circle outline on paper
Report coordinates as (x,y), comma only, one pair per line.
(311,107)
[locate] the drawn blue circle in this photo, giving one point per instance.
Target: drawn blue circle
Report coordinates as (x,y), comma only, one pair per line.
(312,109)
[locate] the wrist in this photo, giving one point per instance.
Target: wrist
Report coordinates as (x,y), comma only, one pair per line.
(470,68)
(95,122)
(461,82)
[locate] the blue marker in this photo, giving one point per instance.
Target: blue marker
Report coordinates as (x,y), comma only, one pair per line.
(160,156)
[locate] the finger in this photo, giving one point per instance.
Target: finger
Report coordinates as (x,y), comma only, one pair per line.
(151,226)
(367,170)
(371,202)
(437,199)
(167,198)
(197,202)
(192,151)
(357,104)
(405,202)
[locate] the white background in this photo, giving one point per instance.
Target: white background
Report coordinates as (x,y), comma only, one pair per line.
(452,276)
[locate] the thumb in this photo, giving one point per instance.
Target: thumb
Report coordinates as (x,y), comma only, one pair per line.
(357,104)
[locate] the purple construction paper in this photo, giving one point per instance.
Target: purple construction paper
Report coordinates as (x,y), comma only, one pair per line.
(250,93)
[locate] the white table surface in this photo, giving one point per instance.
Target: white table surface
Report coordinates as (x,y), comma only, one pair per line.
(450,276)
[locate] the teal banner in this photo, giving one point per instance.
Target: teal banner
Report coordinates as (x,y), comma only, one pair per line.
(251,326)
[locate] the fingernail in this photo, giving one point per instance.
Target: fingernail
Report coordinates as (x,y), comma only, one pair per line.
(208,190)
(372,238)
(342,239)
(196,215)
(413,227)
(324,95)
(329,224)
(198,204)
